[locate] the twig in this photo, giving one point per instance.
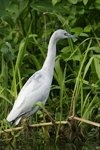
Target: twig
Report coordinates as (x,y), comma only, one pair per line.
(45,25)
(35,125)
(52,120)
(84,120)
(71,104)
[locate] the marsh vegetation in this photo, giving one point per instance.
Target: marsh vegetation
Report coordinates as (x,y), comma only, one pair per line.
(25,30)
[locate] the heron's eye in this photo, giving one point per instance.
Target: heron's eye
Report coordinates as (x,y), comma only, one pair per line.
(65,34)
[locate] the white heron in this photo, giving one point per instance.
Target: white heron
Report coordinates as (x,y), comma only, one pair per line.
(37,87)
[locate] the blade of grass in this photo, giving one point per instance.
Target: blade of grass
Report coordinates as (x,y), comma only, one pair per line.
(20,81)
(61,101)
(77,86)
(6,99)
(21,53)
(4,83)
(81,84)
(88,109)
(89,94)
(14,83)
(87,66)
(58,74)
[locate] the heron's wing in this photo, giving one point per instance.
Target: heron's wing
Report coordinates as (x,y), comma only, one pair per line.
(31,87)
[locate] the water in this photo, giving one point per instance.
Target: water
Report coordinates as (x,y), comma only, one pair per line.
(40,144)
(37,139)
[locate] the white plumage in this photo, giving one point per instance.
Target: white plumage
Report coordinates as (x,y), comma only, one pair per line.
(37,87)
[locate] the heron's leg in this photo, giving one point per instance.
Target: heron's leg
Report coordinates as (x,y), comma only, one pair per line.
(27,130)
(29,116)
(26,127)
(52,120)
(25,122)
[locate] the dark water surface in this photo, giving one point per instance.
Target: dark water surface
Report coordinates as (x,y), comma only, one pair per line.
(37,140)
(30,144)
(41,144)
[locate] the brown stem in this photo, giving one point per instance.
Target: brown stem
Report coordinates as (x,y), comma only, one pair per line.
(52,120)
(45,26)
(71,104)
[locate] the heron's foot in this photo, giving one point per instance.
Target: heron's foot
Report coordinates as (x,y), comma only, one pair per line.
(26,127)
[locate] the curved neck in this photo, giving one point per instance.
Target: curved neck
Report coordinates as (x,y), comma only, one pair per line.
(49,63)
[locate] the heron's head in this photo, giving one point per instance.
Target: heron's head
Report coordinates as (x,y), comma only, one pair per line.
(62,34)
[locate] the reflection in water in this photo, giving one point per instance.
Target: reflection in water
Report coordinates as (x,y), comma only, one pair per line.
(36,139)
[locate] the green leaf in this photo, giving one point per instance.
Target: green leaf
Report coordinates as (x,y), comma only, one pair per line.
(98,1)
(73,1)
(77,57)
(97,65)
(82,11)
(38,65)
(13,8)
(2,96)
(8,19)
(54,2)
(4,4)
(87,66)
(46,6)
(7,51)
(66,49)
(96,49)
(8,37)
(23,4)
(85,2)
(84,34)
(77,30)
(10,47)
(87,28)
(4,49)
(39,104)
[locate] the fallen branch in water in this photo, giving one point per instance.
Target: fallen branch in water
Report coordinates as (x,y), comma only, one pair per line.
(35,125)
(84,120)
(50,123)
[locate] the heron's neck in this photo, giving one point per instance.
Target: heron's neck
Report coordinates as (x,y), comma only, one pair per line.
(49,63)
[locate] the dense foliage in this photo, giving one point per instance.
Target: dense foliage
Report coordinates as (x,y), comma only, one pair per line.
(25,30)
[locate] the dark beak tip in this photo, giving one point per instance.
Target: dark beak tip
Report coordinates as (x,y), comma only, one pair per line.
(78,38)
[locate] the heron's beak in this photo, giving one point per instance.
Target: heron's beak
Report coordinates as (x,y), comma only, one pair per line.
(75,37)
